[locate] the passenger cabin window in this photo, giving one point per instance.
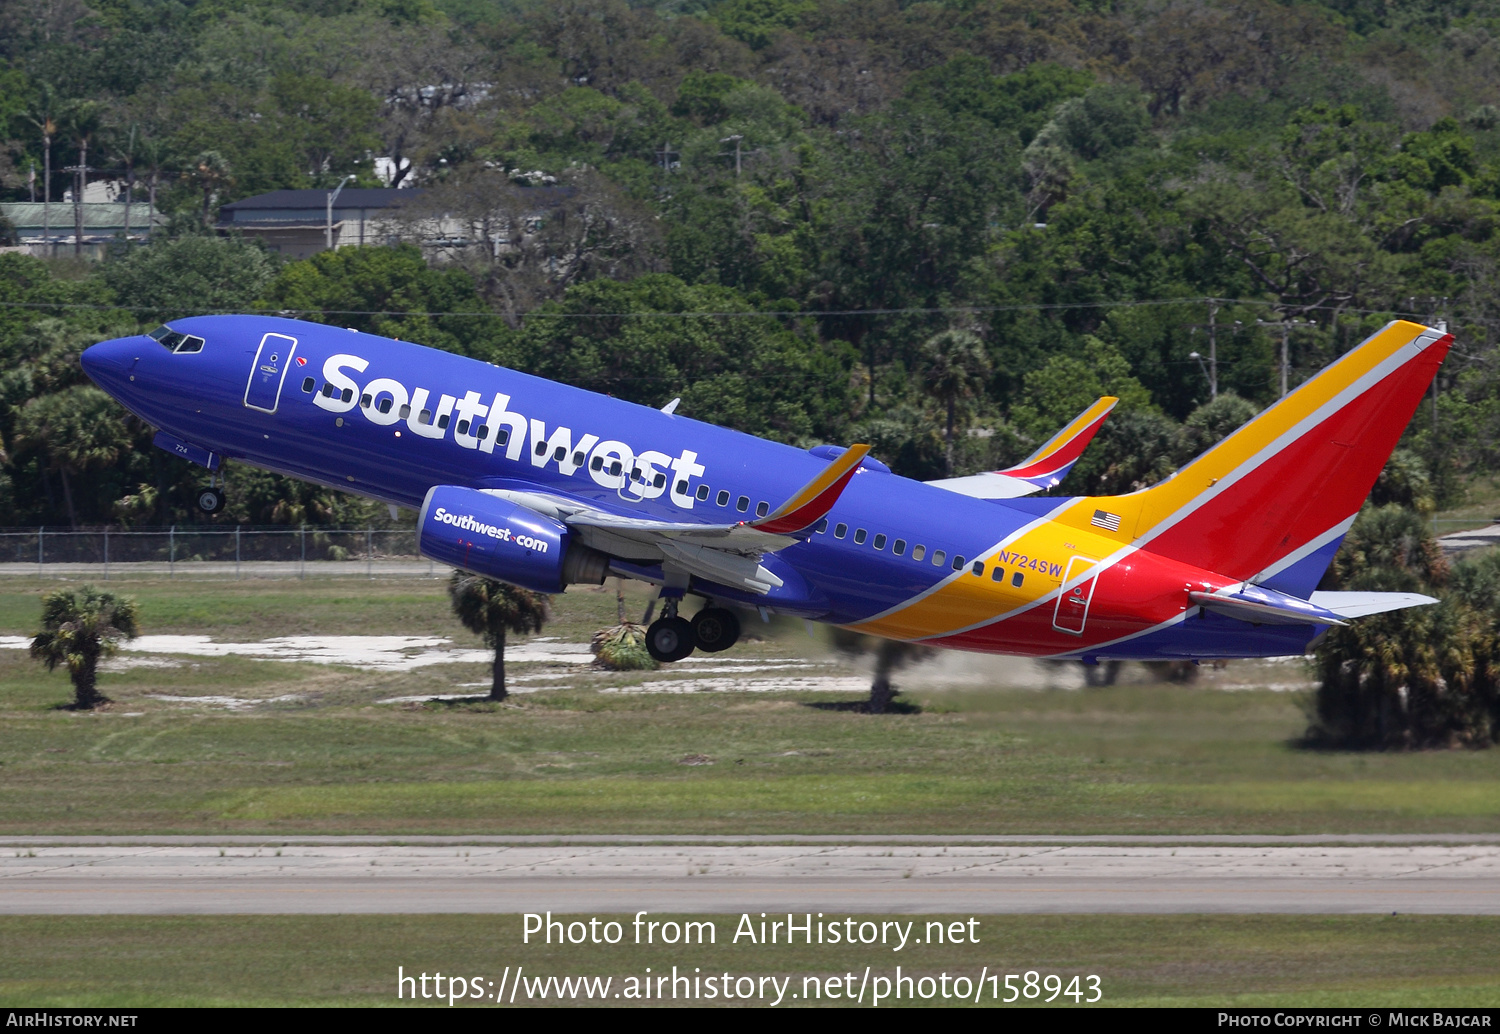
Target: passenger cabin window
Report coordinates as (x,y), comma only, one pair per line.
(578,459)
(899,547)
(859,536)
(660,481)
(348,395)
(742,503)
(997,575)
(308,384)
(682,488)
(918,552)
(958,563)
(559,454)
(879,542)
(938,557)
(365,400)
(761,509)
(822,526)
(722,499)
(443,420)
(405,412)
(541,448)
(702,493)
(840,530)
(500,439)
(1017,578)
(463,427)
(979,568)
(384,405)
(597,464)
(424,417)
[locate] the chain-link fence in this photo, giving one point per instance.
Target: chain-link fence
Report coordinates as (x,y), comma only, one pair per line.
(198,551)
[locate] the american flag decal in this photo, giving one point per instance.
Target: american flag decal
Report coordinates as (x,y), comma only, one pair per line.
(1107,521)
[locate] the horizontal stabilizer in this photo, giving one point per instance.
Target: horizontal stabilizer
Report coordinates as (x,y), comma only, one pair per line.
(1044,468)
(1261,606)
(1359,604)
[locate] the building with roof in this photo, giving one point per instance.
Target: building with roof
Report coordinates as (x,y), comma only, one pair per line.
(298,223)
(50,229)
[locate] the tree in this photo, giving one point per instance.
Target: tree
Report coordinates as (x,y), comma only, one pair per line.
(191,275)
(954,367)
(490,608)
(78,430)
(79,626)
(1413,678)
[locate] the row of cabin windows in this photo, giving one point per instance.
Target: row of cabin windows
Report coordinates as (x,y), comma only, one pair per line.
(560,453)
(918,552)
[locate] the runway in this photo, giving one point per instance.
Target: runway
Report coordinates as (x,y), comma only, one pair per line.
(201,875)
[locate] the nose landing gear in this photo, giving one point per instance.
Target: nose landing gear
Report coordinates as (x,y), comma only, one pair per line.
(211,500)
(671,638)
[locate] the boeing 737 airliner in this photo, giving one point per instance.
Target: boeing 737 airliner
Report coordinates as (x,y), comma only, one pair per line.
(543,485)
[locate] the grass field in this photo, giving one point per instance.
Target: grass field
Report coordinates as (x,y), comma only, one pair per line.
(317,754)
(1221,961)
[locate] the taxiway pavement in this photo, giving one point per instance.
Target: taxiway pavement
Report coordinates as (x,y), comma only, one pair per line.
(202,875)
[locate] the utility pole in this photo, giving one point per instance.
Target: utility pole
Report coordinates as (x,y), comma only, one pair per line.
(332,197)
(736,140)
(80,184)
(1212,371)
(1286,332)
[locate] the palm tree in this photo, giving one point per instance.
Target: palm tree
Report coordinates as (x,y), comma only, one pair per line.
(84,119)
(490,609)
(78,627)
(43,115)
(954,365)
(78,430)
(212,173)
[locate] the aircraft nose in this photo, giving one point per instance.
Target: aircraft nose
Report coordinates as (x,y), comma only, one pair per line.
(108,362)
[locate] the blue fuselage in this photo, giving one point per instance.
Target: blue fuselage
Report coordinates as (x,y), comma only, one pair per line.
(390,420)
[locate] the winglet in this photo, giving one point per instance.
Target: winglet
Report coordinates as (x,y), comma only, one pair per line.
(1046,467)
(813,500)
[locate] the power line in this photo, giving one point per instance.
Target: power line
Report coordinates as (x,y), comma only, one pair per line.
(699,314)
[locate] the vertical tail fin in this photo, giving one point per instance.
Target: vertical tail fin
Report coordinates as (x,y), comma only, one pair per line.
(1271,502)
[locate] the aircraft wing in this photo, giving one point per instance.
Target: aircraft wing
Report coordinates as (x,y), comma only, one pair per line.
(725,553)
(1044,468)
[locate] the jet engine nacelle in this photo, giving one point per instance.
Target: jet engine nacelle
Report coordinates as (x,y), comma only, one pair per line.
(499,539)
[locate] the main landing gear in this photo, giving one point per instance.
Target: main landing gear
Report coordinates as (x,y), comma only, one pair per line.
(211,499)
(671,638)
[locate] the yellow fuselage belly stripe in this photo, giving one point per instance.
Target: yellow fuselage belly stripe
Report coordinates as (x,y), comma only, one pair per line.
(1039,555)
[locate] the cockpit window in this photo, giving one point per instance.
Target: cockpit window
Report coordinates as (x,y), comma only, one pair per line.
(172,341)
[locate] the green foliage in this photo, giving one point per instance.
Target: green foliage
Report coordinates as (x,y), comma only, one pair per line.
(623,648)
(79,626)
(389,291)
(490,609)
(1418,677)
(643,341)
(190,276)
(756,22)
